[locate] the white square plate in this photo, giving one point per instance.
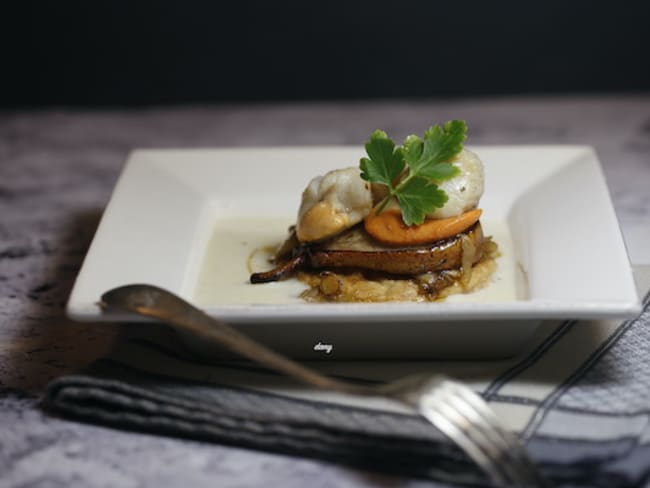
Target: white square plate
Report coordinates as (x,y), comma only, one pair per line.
(548,206)
(553,201)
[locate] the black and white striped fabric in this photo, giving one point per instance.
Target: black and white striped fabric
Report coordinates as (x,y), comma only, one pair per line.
(579,395)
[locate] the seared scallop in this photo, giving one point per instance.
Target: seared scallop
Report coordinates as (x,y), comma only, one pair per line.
(465,190)
(333,203)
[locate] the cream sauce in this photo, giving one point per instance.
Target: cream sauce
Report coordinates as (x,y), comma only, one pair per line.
(239,246)
(235,244)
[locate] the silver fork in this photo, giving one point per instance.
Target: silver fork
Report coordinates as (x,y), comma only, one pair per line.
(453,408)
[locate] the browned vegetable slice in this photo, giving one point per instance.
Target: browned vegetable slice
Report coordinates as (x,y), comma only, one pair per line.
(354,249)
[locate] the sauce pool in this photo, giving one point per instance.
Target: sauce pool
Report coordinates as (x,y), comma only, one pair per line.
(239,246)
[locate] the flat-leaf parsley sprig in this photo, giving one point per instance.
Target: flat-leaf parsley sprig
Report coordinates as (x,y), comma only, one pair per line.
(411,171)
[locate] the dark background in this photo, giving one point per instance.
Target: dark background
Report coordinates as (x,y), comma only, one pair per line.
(122,53)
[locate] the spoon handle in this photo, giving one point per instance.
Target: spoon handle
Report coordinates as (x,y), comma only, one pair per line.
(151,301)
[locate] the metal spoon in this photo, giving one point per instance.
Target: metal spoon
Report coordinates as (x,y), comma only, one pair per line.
(453,408)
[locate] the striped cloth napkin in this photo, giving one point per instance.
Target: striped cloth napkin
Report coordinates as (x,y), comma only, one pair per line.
(579,395)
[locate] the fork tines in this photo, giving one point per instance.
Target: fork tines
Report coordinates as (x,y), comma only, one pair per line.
(467,420)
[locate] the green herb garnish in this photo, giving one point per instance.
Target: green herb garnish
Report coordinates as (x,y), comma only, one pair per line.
(411,171)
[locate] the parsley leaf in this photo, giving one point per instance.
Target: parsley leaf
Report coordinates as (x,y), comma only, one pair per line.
(385,162)
(426,158)
(418,197)
(425,162)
